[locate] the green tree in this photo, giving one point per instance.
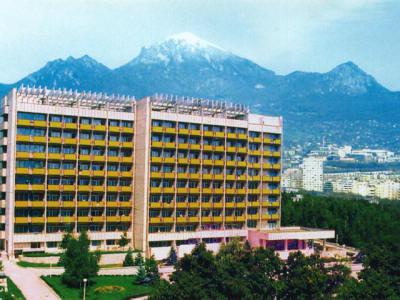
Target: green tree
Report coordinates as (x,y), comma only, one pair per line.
(139,261)
(78,262)
(128,261)
(141,275)
(123,241)
(151,268)
(172,257)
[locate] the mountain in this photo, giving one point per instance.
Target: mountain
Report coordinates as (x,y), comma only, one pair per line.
(344,105)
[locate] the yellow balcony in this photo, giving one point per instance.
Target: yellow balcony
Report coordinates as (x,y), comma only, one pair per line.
(155,204)
(157,144)
(230,219)
(37,220)
(183,175)
(183,146)
(99,173)
(69,172)
(254,191)
(126,174)
(70,141)
(97,188)
(183,160)
(113,159)
(206,190)
(162,220)
(19,203)
(241,163)
(169,190)
(217,219)
(127,159)
(267,141)
(23,155)
(127,130)
(218,204)
(218,177)
(241,177)
(113,129)
(241,191)
(55,124)
(113,218)
(219,134)
(85,126)
(242,136)
(99,127)
(207,176)
(114,143)
(71,125)
(240,204)
(112,204)
(255,140)
(194,204)
(208,133)
(32,123)
(276,179)
(270,217)
(84,188)
(67,188)
(84,203)
(194,176)
(206,219)
(55,140)
(85,173)
(112,174)
(207,162)
(169,175)
(230,163)
(255,178)
(270,204)
(194,161)
(98,158)
(194,190)
(23,138)
(219,148)
(21,220)
(68,219)
(157,175)
(230,191)
(125,189)
(84,157)
(22,171)
(169,130)
(126,218)
(254,152)
(230,177)
(187,219)
(169,160)
(53,203)
(194,146)
(127,144)
(169,145)
(276,154)
(183,131)
(98,219)
(56,156)
(206,205)
(195,132)
(112,188)
(53,220)
(37,187)
(38,155)
(241,150)
(67,204)
(253,217)
(218,162)
(101,143)
(253,204)
(157,129)
(155,190)
(125,204)
(84,219)
(85,142)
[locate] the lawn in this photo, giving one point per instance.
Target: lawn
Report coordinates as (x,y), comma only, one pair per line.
(27,264)
(104,288)
(14,290)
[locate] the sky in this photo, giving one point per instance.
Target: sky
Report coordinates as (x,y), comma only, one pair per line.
(281,35)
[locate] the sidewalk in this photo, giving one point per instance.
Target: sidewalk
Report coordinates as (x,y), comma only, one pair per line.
(29,282)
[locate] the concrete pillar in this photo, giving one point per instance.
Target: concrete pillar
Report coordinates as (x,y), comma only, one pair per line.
(286,245)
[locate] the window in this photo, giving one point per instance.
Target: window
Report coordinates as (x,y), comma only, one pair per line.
(31,116)
(55,118)
(113,123)
(85,121)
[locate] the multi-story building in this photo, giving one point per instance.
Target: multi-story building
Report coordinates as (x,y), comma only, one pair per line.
(167,171)
(313,173)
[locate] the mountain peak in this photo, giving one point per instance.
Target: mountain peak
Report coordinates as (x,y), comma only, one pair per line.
(191,39)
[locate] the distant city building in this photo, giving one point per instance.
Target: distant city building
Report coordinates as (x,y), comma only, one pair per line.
(292,179)
(313,172)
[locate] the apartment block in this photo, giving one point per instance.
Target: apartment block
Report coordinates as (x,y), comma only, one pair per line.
(167,171)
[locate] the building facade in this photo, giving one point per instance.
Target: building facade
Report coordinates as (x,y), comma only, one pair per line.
(166,171)
(313,173)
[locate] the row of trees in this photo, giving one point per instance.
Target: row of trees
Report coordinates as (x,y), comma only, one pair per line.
(372,227)
(239,272)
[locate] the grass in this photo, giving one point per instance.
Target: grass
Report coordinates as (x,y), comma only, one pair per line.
(14,290)
(27,264)
(105,288)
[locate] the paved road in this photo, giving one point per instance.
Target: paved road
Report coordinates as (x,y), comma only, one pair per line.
(29,282)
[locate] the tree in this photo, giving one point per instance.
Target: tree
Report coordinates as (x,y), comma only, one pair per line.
(128,261)
(139,261)
(151,268)
(141,275)
(123,241)
(172,257)
(78,262)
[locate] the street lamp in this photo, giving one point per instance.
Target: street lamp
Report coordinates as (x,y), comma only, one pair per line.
(84,288)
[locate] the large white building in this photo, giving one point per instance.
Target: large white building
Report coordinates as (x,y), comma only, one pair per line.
(313,173)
